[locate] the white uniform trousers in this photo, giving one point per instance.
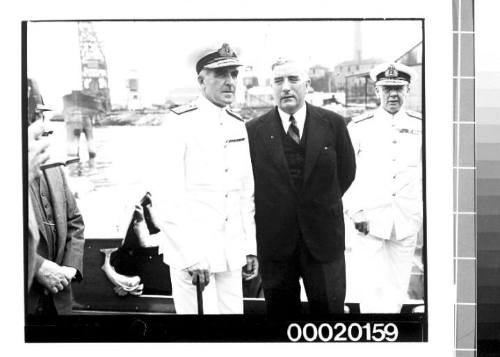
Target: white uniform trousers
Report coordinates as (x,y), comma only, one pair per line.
(223,295)
(387,265)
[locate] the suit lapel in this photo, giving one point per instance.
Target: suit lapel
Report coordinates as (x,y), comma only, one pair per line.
(38,213)
(57,192)
(317,132)
(270,135)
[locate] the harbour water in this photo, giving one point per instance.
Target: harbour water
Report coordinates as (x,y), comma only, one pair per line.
(107,193)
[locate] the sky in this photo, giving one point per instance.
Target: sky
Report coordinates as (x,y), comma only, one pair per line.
(162,54)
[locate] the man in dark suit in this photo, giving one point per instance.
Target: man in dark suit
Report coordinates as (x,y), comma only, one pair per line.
(303,162)
(58,259)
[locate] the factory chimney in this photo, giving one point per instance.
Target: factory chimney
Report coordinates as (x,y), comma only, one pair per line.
(357,41)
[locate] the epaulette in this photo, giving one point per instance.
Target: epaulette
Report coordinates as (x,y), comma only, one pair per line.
(234,115)
(181,109)
(362,117)
(414,114)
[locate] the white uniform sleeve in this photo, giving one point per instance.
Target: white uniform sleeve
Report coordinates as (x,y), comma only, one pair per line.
(169,196)
(247,201)
(353,198)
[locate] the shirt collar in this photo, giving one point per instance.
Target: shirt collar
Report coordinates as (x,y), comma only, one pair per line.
(300,117)
(399,116)
(206,105)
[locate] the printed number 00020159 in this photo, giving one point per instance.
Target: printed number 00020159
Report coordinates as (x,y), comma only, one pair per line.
(342,332)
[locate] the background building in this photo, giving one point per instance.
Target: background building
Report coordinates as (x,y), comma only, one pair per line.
(351,68)
(360,89)
(413,58)
(321,78)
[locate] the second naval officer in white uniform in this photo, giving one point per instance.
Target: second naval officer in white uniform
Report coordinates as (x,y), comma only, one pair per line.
(385,201)
(205,199)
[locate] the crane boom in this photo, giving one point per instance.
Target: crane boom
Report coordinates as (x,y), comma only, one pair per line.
(94,70)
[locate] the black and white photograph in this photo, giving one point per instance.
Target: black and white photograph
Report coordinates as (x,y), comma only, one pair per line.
(231,172)
(225,178)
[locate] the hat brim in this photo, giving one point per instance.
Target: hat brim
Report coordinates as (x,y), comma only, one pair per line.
(43,108)
(227,62)
(392,82)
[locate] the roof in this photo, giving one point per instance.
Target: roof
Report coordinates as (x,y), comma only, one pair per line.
(319,66)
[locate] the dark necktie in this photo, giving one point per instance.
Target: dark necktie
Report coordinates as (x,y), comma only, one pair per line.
(293,130)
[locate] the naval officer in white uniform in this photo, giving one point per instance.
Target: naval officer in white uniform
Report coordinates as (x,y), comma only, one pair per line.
(205,198)
(385,201)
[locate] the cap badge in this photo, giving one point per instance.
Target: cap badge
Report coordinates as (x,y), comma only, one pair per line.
(226,51)
(391,72)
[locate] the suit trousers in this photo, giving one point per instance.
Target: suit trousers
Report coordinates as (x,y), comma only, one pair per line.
(387,265)
(44,306)
(223,295)
(324,283)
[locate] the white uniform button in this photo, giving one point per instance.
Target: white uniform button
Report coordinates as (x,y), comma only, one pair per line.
(226,170)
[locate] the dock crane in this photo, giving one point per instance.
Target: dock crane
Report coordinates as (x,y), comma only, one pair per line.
(86,107)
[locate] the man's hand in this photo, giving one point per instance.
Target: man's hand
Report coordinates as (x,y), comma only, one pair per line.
(200,272)
(69,272)
(52,276)
(361,223)
(251,270)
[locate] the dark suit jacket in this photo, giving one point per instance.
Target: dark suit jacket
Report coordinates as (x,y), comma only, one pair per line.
(316,207)
(70,241)
(33,237)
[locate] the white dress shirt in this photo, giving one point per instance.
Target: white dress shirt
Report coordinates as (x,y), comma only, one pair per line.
(300,117)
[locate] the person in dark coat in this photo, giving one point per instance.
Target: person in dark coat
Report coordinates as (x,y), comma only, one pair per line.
(58,258)
(37,156)
(303,162)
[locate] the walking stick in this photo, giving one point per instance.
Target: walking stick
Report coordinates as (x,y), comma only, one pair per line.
(199,296)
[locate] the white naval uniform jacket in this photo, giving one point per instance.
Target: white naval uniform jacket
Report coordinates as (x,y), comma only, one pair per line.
(388,183)
(204,196)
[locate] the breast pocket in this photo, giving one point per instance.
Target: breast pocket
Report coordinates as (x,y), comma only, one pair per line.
(238,154)
(411,149)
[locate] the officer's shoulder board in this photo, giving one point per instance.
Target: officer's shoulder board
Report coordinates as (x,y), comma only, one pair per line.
(362,117)
(181,109)
(233,114)
(414,114)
